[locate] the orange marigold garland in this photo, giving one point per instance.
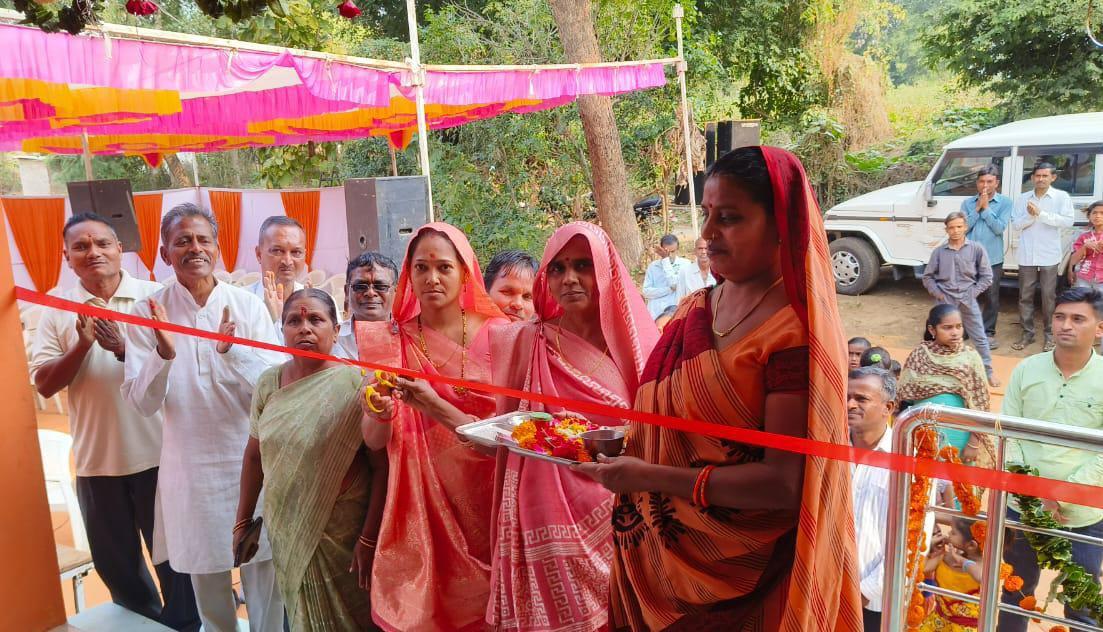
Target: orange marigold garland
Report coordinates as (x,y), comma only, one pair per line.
(926,447)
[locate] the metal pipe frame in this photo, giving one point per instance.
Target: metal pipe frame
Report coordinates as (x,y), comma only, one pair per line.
(897,584)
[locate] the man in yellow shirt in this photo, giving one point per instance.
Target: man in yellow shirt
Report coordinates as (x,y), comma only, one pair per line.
(1060,386)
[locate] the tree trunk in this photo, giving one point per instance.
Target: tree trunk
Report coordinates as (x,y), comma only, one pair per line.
(609,176)
(179,173)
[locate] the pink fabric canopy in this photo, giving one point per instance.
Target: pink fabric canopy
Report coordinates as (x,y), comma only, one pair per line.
(148,98)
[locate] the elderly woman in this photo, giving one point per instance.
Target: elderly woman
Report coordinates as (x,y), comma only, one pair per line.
(553,542)
(307,417)
(712,534)
(432,564)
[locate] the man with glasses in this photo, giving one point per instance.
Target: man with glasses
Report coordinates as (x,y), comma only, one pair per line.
(370,294)
(281,253)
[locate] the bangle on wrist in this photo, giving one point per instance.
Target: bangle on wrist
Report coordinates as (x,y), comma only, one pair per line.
(700,484)
(366,541)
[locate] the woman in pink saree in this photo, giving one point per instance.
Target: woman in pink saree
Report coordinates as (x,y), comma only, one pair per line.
(553,545)
(432,560)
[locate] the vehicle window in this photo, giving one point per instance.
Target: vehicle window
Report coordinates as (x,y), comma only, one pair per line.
(1075,168)
(957,174)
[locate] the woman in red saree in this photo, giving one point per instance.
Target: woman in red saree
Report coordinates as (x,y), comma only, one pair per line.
(432,560)
(716,535)
(553,543)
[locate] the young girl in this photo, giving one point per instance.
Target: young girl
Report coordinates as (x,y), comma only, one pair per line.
(942,370)
(955,561)
(1087,250)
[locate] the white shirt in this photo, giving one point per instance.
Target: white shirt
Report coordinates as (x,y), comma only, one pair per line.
(206,420)
(659,284)
(110,437)
(346,341)
(1040,236)
(870,495)
(689,280)
(258,290)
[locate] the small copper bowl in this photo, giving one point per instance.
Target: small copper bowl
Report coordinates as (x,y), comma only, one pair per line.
(607,441)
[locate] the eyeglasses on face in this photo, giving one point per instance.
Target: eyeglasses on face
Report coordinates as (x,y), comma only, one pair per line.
(380,288)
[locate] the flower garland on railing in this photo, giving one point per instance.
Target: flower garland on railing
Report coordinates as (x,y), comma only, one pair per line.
(926,446)
(1078,588)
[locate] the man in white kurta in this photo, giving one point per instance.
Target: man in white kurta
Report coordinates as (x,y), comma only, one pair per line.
(204,390)
(281,253)
(660,282)
(698,276)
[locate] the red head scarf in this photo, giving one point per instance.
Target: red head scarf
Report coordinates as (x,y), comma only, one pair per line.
(473,297)
(625,322)
(823,592)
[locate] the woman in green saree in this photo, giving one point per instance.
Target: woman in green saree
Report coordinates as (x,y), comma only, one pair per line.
(323,491)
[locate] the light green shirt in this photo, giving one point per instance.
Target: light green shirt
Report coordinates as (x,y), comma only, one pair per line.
(1038,390)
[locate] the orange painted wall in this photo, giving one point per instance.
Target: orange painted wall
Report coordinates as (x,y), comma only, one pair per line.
(30,592)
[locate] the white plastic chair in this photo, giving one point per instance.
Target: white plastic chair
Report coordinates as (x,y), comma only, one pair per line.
(236,275)
(55,448)
(334,282)
(316,277)
(223,276)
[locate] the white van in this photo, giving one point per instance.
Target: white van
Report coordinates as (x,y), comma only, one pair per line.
(900,225)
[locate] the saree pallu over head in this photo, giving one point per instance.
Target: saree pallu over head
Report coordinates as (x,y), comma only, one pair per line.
(680,566)
(432,561)
(932,369)
(553,547)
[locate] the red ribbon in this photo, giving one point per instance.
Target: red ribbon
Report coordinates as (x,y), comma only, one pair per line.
(1064,491)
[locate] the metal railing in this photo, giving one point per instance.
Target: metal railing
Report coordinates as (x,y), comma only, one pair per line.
(1001,428)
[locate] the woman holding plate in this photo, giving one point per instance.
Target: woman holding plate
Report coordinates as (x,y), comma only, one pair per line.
(553,544)
(432,562)
(712,534)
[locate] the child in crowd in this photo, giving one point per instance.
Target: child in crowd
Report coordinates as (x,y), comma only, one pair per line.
(878,357)
(855,347)
(955,562)
(1087,250)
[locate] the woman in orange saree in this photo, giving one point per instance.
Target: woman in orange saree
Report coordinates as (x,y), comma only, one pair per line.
(716,535)
(432,559)
(553,544)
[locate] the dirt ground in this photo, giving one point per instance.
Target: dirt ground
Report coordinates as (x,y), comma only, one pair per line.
(893,313)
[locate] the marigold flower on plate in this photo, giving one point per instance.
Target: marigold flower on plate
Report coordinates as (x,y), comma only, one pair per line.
(1028,602)
(1013,583)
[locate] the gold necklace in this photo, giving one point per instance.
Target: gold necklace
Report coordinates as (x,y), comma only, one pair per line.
(723,334)
(460,391)
(559,348)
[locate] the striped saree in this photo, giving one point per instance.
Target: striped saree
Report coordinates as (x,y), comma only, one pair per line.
(316,492)
(679,566)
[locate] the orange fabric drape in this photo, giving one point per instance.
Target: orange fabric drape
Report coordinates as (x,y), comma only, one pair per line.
(226,206)
(147,208)
(36,226)
(302,206)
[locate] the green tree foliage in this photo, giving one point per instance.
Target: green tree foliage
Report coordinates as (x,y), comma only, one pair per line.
(1032,55)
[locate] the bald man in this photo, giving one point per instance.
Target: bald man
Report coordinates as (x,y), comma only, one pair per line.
(695,277)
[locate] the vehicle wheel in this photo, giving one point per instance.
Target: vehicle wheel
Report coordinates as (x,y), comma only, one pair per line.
(855,264)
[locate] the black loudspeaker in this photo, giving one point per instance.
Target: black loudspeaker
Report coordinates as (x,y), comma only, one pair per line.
(383,213)
(112,200)
(735,134)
